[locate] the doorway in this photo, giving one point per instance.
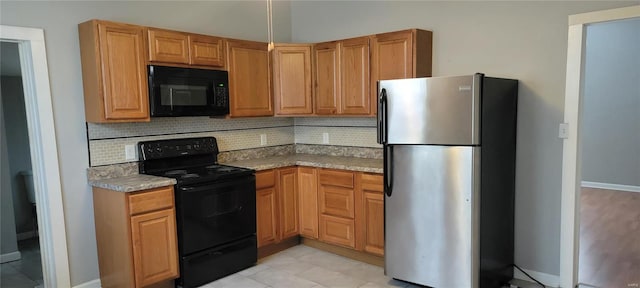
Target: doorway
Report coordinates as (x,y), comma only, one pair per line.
(24,268)
(580,150)
(44,157)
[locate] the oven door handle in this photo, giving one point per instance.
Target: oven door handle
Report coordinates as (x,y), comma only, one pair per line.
(217,185)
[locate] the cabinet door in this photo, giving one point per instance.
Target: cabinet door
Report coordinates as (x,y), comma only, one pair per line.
(398,55)
(168,46)
(337,201)
(337,230)
(288,200)
(267,216)
(308,192)
(373,223)
(326,58)
(206,51)
(292,79)
(354,76)
(155,250)
(124,74)
(250,93)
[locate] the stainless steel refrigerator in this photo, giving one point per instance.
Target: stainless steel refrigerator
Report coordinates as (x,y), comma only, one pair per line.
(449,176)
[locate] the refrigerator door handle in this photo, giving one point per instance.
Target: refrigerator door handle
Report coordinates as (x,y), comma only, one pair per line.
(382,117)
(387,169)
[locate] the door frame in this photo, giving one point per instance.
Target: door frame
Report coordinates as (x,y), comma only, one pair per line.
(44,152)
(571,160)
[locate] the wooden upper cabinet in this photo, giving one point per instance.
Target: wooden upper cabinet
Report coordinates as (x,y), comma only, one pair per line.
(326,61)
(174,47)
(249,89)
(206,50)
(398,55)
(292,79)
(114,72)
(354,76)
(168,46)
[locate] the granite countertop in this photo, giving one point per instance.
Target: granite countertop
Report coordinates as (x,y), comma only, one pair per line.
(322,161)
(132,183)
(123,178)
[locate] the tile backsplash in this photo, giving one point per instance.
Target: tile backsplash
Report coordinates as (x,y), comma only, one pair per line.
(107,141)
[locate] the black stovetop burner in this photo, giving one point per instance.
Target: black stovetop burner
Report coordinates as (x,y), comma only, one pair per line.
(189,160)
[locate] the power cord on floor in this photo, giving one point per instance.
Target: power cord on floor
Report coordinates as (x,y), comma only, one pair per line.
(525,273)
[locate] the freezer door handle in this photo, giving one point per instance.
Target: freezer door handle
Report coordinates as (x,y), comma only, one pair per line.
(387,169)
(382,116)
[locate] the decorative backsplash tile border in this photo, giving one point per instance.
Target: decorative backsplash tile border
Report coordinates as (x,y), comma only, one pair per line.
(181,125)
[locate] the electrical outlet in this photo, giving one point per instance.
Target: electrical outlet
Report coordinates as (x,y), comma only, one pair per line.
(130,152)
(325,138)
(263,139)
(563,130)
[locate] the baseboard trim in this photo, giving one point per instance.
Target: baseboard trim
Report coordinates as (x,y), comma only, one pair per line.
(548,280)
(8,257)
(345,252)
(91,284)
(618,187)
(26,235)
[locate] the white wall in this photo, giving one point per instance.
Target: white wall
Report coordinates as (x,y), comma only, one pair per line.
(8,242)
(18,146)
(237,19)
(611,111)
(517,39)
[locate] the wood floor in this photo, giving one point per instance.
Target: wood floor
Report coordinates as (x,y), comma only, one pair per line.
(609,238)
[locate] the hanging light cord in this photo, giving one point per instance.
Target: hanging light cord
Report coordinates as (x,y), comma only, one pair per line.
(270,24)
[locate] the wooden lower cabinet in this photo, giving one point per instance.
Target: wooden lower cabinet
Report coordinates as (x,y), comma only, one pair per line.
(337,230)
(154,243)
(308,200)
(288,200)
(276,205)
(373,213)
(337,196)
(267,216)
(337,207)
(136,237)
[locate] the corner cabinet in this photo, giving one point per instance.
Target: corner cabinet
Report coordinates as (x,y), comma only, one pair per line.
(136,237)
(114,72)
(292,79)
(399,55)
(249,79)
(342,77)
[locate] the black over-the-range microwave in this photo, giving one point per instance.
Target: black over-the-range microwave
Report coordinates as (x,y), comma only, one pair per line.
(175,91)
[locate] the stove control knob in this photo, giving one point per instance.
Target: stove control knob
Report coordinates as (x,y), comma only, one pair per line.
(196,146)
(159,149)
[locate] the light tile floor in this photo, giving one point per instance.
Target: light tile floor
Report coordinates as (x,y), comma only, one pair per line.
(26,272)
(302,266)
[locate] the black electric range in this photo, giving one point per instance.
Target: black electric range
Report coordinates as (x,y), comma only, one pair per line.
(215,207)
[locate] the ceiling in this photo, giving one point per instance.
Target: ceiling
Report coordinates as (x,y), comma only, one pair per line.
(9,59)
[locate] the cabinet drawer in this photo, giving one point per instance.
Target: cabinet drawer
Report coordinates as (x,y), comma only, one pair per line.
(265,179)
(372,182)
(151,200)
(337,201)
(336,230)
(336,178)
